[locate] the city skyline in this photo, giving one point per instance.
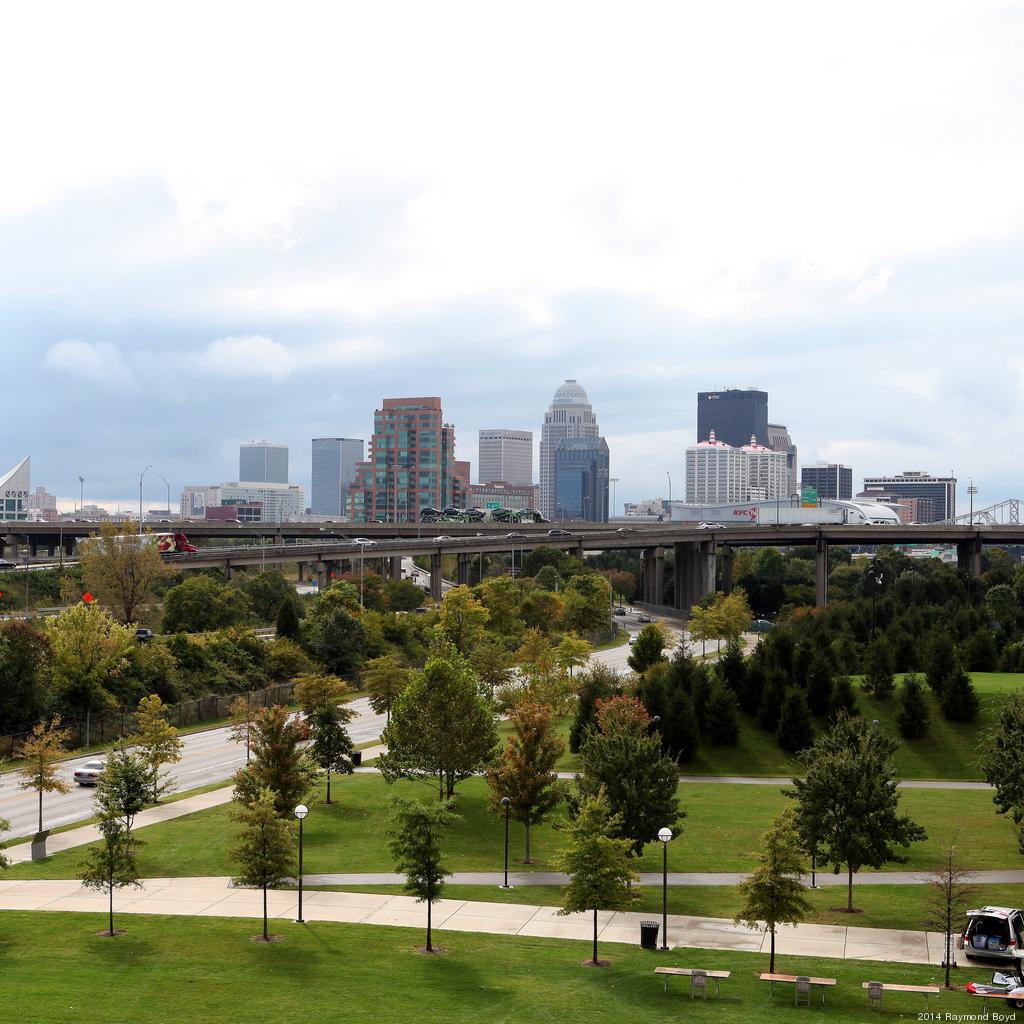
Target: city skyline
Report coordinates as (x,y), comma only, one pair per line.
(170,293)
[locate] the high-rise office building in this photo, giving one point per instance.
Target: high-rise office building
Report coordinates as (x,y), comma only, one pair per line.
(936,495)
(767,474)
(278,503)
(581,479)
(828,480)
(410,463)
(263,462)
(506,455)
(569,416)
(780,441)
(333,474)
(733,415)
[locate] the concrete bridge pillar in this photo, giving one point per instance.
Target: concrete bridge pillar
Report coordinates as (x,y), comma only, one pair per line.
(301,573)
(322,580)
(463,577)
(396,567)
(821,572)
(228,570)
(654,575)
(435,577)
(727,561)
(968,555)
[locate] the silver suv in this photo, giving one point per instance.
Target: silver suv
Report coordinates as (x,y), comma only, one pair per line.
(993,933)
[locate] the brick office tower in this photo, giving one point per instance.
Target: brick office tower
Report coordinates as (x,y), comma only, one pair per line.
(410,463)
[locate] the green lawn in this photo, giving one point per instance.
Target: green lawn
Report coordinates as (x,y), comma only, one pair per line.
(56,970)
(723,826)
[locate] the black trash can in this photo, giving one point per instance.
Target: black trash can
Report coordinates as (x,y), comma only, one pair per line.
(357,758)
(649,934)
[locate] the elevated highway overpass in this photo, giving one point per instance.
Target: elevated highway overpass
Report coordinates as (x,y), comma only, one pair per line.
(322,549)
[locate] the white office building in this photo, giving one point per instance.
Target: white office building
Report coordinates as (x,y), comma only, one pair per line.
(715,472)
(506,455)
(281,502)
(767,472)
(569,416)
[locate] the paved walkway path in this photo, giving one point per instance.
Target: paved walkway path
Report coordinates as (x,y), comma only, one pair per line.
(216,897)
(824,880)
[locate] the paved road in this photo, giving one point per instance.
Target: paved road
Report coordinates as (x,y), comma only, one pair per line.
(208,757)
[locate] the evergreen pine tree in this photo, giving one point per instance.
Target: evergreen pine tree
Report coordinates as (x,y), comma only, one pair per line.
(912,717)
(843,699)
(721,717)
(796,729)
(939,661)
(771,701)
(959,700)
(732,669)
(819,685)
(288,620)
(878,677)
(755,682)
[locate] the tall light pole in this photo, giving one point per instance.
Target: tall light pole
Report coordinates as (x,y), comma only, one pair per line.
(141,475)
(669,475)
(665,835)
(168,486)
(972,491)
(81,492)
(506,803)
(300,812)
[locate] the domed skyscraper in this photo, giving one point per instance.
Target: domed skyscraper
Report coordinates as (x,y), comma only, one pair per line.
(570,416)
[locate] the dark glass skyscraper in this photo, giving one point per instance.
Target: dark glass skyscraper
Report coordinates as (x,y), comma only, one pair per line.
(581,479)
(734,415)
(829,480)
(333,473)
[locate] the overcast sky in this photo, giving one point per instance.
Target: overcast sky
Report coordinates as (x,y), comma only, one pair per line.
(227,222)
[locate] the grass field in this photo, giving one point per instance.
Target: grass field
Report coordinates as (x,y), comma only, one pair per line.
(204,970)
(722,829)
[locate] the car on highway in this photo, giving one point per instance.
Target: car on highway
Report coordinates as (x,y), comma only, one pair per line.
(644,618)
(632,638)
(558,532)
(6,565)
(364,542)
(618,611)
(627,529)
(710,526)
(992,933)
(515,535)
(442,540)
(761,626)
(90,772)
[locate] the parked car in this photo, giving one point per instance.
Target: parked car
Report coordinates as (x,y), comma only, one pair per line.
(992,933)
(558,532)
(90,772)
(644,618)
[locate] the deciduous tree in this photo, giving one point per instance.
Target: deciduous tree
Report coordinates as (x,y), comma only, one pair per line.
(277,764)
(524,771)
(42,754)
(773,893)
(648,649)
(24,658)
(462,619)
(332,746)
(848,799)
(572,653)
(120,567)
(315,689)
(597,862)
(112,864)
(123,787)
(384,680)
(265,853)
(201,603)
(158,742)
(415,833)
(947,899)
(440,726)
(492,662)
(241,715)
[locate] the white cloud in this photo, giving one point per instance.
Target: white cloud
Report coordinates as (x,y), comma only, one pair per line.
(256,355)
(98,362)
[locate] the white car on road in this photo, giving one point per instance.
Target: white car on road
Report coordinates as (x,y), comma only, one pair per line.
(90,772)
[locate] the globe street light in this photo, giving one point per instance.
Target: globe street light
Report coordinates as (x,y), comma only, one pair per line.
(300,812)
(665,836)
(506,803)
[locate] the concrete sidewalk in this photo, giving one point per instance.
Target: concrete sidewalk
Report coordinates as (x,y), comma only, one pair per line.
(216,897)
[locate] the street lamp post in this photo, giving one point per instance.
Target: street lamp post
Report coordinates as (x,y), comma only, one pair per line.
(141,475)
(972,491)
(665,835)
(81,492)
(168,486)
(300,812)
(669,475)
(506,803)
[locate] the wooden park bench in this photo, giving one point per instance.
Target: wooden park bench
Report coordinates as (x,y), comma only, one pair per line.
(802,983)
(876,988)
(698,978)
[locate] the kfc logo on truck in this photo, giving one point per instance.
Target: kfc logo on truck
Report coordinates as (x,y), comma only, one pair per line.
(749,514)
